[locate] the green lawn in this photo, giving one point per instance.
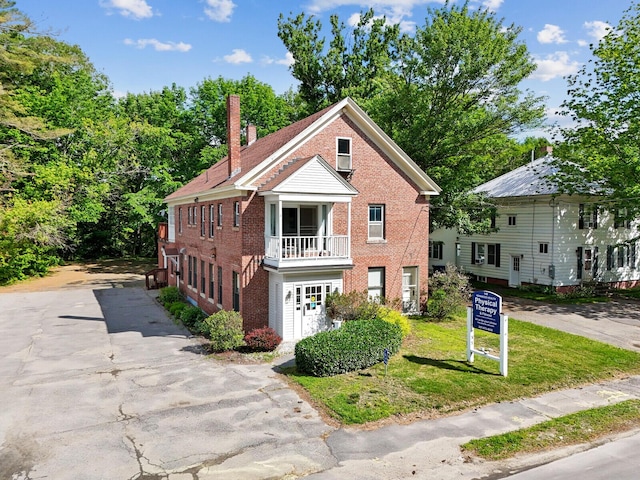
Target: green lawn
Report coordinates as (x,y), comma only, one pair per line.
(579,427)
(430,376)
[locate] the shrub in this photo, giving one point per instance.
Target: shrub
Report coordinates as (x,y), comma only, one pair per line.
(263,339)
(176,308)
(351,306)
(448,291)
(224,329)
(395,317)
(356,345)
(191,316)
(170,295)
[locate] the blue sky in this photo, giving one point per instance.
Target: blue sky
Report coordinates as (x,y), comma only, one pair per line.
(143,45)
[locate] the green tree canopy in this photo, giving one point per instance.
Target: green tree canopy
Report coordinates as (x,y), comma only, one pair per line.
(603,147)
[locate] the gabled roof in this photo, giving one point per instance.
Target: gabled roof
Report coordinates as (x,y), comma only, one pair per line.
(313,173)
(528,180)
(260,157)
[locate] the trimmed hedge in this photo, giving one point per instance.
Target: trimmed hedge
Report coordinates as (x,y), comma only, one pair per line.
(263,339)
(191,317)
(170,295)
(397,318)
(224,330)
(356,345)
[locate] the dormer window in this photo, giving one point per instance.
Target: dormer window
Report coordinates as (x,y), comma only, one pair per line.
(344,154)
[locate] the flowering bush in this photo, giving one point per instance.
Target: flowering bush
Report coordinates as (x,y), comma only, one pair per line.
(263,339)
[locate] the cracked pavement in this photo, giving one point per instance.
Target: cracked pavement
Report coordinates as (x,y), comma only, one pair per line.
(100,384)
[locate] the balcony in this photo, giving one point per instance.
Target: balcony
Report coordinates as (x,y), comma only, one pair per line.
(308,251)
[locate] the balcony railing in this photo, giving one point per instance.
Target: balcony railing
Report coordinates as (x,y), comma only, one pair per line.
(297,248)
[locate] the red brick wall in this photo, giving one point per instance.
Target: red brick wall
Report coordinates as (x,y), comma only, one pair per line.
(241,249)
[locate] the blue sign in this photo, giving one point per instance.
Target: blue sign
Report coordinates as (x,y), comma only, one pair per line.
(486,308)
(385,356)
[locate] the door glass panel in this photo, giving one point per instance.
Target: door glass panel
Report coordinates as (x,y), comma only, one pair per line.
(290,221)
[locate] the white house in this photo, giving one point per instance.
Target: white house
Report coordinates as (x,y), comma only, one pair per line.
(543,237)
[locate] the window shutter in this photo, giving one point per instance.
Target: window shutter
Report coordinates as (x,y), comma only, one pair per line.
(633,255)
(595,216)
(440,250)
(473,253)
(609,257)
(497,255)
(581,216)
(579,255)
(594,267)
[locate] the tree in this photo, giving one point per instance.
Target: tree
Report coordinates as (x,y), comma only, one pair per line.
(447,95)
(352,66)
(602,150)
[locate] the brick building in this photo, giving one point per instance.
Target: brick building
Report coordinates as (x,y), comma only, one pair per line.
(328,203)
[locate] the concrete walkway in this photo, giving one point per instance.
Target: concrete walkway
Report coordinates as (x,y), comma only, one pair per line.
(100,384)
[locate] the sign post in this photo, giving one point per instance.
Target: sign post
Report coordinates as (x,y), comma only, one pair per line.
(485,313)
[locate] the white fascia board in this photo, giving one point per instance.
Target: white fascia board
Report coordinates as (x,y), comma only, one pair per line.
(284,151)
(213,194)
(391,149)
(306,198)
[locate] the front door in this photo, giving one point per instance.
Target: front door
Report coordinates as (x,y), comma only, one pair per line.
(514,271)
(310,317)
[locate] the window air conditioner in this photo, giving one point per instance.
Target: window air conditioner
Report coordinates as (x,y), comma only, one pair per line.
(479,260)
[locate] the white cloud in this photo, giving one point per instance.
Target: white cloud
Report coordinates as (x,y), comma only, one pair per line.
(219,10)
(129,8)
(238,56)
(406,26)
(551,34)
(597,29)
(555,65)
(492,4)
(158,45)
(583,43)
(287,61)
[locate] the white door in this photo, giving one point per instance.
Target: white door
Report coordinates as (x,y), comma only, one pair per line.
(514,271)
(409,289)
(310,315)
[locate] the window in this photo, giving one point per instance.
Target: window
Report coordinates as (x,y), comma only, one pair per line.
(202,220)
(627,255)
(219,214)
(203,278)
(619,218)
(220,285)
(236,291)
(376,222)
(543,247)
(189,216)
(194,283)
(610,257)
(587,216)
(492,251)
(236,214)
(376,283)
(211,282)
(435,250)
(272,220)
(512,220)
(211,220)
(190,272)
(179,219)
(344,154)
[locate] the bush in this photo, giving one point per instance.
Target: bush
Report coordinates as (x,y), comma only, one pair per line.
(191,317)
(395,317)
(351,306)
(356,345)
(224,329)
(176,308)
(170,295)
(448,291)
(263,339)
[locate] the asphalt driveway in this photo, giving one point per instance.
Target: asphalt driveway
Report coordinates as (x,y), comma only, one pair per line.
(100,384)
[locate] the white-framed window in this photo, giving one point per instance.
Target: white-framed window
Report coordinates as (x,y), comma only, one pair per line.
(543,247)
(587,216)
(479,253)
(219,214)
(376,222)
(488,253)
(512,219)
(376,283)
(212,225)
(436,250)
(236,214)
(343,154)
(203,225)
(179,219)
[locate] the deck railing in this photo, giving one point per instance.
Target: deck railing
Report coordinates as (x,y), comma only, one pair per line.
(296,248)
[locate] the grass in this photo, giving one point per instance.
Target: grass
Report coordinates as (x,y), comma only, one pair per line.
(580,427)
(633,293)
(540,294)
(430,377)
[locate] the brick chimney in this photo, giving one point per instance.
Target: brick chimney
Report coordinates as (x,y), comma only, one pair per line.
(252,134)
(233,133)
